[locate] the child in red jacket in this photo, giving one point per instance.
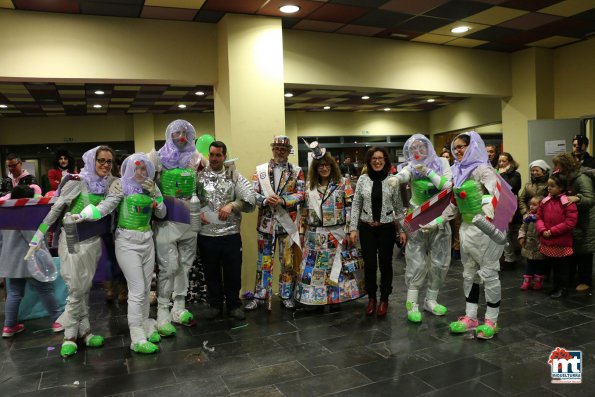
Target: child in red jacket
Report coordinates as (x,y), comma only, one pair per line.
(556,217)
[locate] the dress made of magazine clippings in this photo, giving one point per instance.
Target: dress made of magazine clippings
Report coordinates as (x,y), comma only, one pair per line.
(323,240)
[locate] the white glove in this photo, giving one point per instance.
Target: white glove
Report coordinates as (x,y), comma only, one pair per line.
(149,186)
(428,227)
(31,251)
(77,218)
(116,188)
(488,210)
(420,168)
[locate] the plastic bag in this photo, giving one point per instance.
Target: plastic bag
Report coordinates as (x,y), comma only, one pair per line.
(41,266)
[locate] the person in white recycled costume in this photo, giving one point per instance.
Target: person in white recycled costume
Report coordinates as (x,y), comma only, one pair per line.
(427,253)
(176,164)
(78,269)
(135,250)
(475,181)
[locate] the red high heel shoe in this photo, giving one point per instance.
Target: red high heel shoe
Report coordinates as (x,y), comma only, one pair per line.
(371,309)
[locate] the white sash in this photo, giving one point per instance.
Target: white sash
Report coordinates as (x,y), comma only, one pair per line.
(315,202)
(339,233)
(280,214)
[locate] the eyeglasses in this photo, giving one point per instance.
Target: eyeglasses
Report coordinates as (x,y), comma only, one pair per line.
(104,162)
(459,147)
(324,166)
(378,159)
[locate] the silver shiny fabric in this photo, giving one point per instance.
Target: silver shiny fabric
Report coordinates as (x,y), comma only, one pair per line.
(217,189)
(392,205)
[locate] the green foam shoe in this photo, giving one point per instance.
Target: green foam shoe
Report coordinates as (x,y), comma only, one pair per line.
(155,337)
(439,310)
(95,341)
(144,347)
(185,317)
(487,330)
(167,329)
(68,349)
(413,313)
(463,325)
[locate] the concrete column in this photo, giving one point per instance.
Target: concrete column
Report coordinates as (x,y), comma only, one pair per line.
(249,103)
(532,98)
(144,135)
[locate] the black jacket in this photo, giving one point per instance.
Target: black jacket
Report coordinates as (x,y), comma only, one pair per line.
(6,185)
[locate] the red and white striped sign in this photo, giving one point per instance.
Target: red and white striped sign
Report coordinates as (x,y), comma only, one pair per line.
(428,204)
(428,211)
(28,201)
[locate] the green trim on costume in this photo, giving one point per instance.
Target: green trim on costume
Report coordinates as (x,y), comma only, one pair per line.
(43,228)
(68,348)
(95,341)
(145,348)
(167,329)
(155,337)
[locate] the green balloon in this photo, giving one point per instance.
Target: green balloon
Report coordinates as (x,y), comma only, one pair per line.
(203,142)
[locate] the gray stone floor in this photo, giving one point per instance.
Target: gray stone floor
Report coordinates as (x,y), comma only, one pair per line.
(334,351)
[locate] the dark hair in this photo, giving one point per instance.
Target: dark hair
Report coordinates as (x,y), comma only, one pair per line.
(220,145)
(511,160)
(450,156)
(22,191)
(560,180)
(370,154)
(12,156)
(68,155)
(105,148)
(566,163)
(465,138)
(314,177)
(581,139)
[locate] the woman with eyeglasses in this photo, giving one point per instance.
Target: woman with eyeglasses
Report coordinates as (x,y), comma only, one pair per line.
(77,269)
(427,254)
(139,201)
(474,181)
(376,207)
(331,270)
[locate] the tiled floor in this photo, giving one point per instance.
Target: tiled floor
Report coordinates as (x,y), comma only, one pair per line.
(336,352)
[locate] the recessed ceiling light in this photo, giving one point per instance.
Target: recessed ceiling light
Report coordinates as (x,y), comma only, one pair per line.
(386,109)
(99,92)
(326,107)
(3,106)
(182,106)
(199,93)
(288,95)
(365,97)
(289,9)
(460,29)
(97,106)
(431,100)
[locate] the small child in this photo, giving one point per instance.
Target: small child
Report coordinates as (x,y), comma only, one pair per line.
(556,217)
(14,244)
(529,241)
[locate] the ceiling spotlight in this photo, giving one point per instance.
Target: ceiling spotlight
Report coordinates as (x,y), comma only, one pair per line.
(199,93)
(289,9)
(182,106)
(288,95)
(3,106)
(99,92)
(97,106)
(365,97)
(326,107)
(431,100)
(460,29)
(387,109)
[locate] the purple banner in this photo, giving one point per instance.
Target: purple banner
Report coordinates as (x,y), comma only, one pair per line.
(507,205)
(177,210)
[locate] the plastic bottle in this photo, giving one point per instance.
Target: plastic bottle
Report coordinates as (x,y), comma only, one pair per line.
(72,236)
(195,213)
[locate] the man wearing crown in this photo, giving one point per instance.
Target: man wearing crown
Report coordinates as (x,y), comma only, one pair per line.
(279,187)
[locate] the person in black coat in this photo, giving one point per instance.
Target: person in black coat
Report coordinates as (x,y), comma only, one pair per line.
(507,167)
(17,175)
(579,151)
